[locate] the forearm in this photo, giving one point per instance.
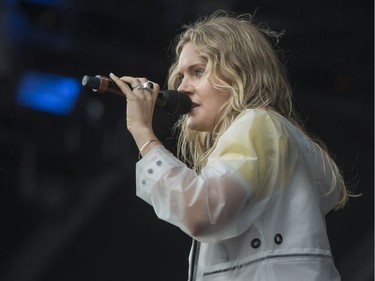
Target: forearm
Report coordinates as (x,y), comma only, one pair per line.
(203,206)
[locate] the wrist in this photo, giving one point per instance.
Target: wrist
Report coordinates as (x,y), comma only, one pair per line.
(147,147)
(145,140)
(142,135)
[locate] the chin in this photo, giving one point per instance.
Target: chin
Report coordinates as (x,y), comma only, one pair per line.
(197,125)
(193,125)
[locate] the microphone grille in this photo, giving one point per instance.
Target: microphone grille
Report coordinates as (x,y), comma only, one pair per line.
(176,103)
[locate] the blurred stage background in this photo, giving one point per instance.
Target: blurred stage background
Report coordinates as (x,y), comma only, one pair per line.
(68,209)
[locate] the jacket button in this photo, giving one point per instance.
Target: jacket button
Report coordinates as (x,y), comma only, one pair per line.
(255,243)
(278,238)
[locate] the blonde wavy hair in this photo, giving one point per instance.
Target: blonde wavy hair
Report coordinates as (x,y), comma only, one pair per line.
(242,61)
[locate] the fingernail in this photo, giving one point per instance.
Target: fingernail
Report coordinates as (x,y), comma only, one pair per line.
(112,75)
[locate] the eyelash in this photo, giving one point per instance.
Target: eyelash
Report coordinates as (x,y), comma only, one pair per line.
(197,72)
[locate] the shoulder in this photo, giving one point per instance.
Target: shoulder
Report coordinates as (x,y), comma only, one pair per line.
(252,114)
(262,134)
(256,124)
(254,131)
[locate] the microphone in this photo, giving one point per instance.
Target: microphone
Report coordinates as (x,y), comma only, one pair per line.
(171,101)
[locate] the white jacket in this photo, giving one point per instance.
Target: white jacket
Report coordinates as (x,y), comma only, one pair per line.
(256,211)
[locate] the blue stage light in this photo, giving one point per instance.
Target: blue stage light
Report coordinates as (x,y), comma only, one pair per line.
(48,92)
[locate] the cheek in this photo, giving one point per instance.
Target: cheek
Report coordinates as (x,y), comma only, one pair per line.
(214,110)
(219,101)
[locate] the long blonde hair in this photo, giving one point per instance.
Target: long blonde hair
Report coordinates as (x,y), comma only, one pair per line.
(241,61)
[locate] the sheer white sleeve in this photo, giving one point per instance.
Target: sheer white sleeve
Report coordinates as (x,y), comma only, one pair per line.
(231,191)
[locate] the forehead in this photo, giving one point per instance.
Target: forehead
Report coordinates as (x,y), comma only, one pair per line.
(189,56)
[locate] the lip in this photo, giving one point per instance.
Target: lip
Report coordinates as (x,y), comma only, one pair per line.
(194,105)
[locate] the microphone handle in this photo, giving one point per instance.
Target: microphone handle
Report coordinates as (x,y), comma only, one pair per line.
(101,84)
(170,100)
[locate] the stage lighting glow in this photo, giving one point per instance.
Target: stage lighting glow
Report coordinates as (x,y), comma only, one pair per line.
(48,92)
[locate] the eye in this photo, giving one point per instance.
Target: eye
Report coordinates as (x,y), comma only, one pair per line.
(198,72)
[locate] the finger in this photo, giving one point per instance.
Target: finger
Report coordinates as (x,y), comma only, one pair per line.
(136,85)
(124,87)
(132,81)
(150,87)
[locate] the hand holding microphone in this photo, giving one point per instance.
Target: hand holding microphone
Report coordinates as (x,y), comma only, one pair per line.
(171,101)
(141,96)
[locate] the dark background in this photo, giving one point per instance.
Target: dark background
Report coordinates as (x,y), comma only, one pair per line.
(68,209)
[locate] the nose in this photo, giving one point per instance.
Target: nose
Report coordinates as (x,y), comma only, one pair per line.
(185,87)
